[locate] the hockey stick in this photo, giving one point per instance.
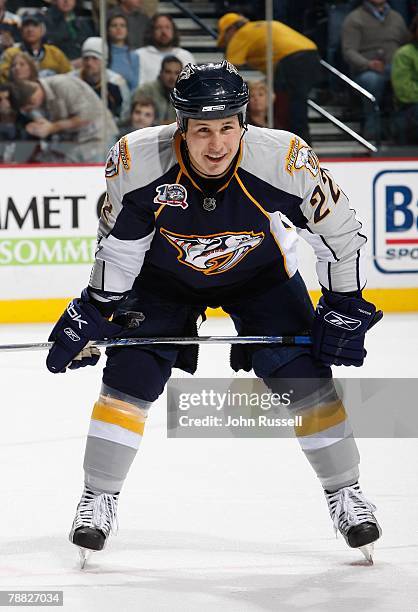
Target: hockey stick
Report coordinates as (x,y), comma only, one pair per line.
(284,340)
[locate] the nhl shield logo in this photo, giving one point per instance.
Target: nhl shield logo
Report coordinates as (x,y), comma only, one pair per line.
(172,195)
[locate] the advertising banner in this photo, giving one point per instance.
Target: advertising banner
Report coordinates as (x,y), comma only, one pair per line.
(49,215)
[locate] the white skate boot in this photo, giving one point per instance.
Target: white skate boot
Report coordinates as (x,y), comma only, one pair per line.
(352,515)
(95,518)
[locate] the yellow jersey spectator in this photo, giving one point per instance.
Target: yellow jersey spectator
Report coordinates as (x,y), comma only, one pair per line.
(49,59)
(295,58)
(246,41)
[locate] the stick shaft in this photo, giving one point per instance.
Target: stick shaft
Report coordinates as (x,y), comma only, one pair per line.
(284,340)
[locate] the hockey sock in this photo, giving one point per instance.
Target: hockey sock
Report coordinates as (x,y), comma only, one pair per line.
(115,433)
(326,437)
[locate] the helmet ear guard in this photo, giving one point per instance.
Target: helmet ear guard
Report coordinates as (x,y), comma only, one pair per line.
(209,91)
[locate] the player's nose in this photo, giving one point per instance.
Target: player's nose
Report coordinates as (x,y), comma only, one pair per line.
(215,143)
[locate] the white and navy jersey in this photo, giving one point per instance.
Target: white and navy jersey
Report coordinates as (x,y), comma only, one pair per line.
(157,222)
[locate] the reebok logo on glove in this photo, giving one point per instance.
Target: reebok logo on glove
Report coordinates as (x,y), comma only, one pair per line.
(71,334)
(339,328)
(79,324)
(76,316)
(341,320)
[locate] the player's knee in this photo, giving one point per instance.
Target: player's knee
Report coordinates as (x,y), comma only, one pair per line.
(282,362)
(302,376)
(141,374)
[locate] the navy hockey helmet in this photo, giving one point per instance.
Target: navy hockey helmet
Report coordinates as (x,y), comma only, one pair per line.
(209,91)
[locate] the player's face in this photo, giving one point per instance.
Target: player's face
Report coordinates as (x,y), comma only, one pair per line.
(213,144)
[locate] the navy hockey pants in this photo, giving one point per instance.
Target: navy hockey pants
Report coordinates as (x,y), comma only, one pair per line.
(284,309)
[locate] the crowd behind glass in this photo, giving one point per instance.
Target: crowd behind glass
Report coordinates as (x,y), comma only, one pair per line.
(52,56)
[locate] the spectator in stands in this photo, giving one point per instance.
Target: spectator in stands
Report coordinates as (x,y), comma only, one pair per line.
(257,108)
(159,90)
(143,114)
(9,27)
(295,57)
(22,68)
(161,39)
(138,22)
(8,128)
(121,58)
(67,30)
(370,36)
(118,94)
(71,112)
(337,11)
(148,7)
(405,88)
(403,7)
(49,59)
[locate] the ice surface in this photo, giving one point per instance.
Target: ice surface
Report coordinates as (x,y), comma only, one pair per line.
(214,524)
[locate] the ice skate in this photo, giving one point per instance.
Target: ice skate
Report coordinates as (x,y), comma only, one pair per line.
(95,519)
(352,515)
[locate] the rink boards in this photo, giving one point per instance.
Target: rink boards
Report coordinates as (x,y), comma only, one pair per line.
(48,222)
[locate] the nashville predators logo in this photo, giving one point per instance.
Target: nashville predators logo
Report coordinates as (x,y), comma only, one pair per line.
(215,253)
(301,156)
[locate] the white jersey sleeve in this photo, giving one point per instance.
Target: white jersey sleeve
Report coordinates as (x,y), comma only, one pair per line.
(127,222)
(315,204)
(332,229)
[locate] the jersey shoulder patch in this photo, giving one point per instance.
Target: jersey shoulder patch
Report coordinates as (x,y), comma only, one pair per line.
(138,156)
(301,157)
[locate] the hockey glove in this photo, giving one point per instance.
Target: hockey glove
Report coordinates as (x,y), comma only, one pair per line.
(339,329)
(80,323)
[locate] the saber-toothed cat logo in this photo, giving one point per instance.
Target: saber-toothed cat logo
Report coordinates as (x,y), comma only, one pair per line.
(215,253)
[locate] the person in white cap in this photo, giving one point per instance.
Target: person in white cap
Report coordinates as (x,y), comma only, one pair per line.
(118,94)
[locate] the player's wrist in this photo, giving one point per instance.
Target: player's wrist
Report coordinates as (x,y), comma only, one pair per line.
(105,302)
(338,298)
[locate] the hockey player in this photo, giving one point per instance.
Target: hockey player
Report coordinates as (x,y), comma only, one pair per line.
(206,212)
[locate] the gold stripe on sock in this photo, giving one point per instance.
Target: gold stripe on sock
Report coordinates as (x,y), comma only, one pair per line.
(108,400)
(319,418)
(118,416)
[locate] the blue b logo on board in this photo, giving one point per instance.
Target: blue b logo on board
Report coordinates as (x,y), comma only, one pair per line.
(395,221)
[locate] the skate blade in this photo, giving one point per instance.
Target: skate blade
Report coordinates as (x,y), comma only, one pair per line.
(367,551)
(84,555)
